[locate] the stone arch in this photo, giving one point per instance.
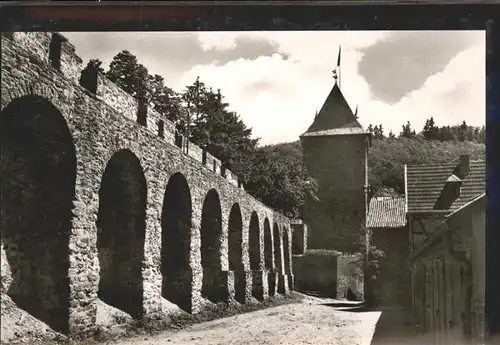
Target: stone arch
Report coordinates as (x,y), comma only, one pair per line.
(268,246)
(26,88)
(121,231)
(286,250)
(286,256)
(235,242)
(176,242)
(277,248)
(38,188)
(254,242)
(211,238)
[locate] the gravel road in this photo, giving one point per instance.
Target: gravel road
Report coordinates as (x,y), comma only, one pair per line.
(299,323)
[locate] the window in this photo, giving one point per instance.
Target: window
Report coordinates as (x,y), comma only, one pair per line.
(161,129)
(55,51)
(142,112)
(178,139)
(204,157)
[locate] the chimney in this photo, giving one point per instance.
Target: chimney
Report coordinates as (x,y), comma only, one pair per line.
(464,165)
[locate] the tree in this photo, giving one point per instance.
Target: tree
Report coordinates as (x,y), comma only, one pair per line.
(407,132)
(126,72)
(378,132)
(430,131)
(462,131)
(278,178)
(213,127)
(482,135)
(163,99)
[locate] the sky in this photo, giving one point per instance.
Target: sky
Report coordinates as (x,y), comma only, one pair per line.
(276,81)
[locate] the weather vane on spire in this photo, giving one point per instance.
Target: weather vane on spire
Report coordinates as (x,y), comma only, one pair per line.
(336,71)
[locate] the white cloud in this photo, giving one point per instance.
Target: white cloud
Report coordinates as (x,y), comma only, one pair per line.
(464,74)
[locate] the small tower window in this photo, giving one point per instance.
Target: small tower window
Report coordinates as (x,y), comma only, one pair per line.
(204,157)
(55,51)
(161,129)
(142,112)
(178,139)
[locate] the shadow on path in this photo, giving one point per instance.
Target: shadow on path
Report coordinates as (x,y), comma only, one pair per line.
(394,328)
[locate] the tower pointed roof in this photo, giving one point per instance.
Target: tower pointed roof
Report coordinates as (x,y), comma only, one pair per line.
(335,117)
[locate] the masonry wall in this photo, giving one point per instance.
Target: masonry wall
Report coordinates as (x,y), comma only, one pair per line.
(338,165)
(330,274)
(96,130)
(350,273)
(316,273)
(391,286)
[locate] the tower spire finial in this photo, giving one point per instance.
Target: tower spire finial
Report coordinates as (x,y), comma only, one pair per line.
(336,71)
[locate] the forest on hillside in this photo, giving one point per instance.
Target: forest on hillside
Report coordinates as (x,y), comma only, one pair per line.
(275,174)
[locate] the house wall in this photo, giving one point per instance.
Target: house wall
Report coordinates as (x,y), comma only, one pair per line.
(477,252)
(439,284)
(420,224)
(391,286)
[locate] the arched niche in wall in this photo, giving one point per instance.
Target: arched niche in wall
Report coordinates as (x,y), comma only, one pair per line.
(121,226)
(38,187)
(176,242)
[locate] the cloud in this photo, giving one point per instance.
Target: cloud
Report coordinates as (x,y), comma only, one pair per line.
(403,61)
(168,53)
(454,95)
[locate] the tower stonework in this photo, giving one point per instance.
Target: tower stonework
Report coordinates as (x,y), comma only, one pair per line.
(336,155)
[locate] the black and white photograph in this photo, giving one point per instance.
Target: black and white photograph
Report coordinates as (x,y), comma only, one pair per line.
(243,187)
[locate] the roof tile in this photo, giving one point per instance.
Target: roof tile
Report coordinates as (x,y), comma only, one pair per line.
(386,212)
(425,183)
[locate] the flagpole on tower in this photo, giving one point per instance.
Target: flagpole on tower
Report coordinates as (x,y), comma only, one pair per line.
(338,65)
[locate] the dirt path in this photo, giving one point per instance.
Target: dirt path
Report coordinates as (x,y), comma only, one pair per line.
(300,323)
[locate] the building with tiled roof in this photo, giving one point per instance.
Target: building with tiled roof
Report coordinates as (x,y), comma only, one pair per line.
(389,233)
(434,191)
(386,212)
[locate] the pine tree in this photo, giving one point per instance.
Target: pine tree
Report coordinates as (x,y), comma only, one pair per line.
(430,131)
(126,72)
(462,131)
(407,132)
